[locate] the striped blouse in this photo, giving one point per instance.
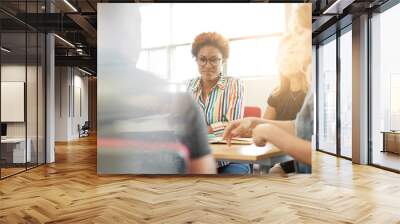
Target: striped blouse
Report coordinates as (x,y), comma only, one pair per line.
(223,104)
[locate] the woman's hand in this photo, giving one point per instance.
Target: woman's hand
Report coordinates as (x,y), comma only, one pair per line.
(210,130)
(262,133)
(242,128)
(296,147)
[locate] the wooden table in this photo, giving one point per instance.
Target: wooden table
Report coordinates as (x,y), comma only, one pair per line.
(266,156)
(391,141)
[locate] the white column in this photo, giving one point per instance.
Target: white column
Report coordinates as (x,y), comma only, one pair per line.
(50,99)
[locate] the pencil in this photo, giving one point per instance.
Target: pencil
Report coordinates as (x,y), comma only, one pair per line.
(228,141)
(225,118)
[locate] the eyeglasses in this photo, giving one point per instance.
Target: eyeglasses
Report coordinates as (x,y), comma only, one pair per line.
(214,61)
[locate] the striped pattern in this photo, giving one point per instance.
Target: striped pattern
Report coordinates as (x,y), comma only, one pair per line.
(224,103)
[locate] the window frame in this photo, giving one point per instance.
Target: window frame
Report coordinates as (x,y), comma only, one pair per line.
(334,37)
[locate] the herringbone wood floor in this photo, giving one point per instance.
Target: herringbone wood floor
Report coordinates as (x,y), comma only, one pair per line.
(70,191)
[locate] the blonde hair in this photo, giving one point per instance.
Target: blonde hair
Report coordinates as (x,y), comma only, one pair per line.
(284,83)
(301,18)
(298,40)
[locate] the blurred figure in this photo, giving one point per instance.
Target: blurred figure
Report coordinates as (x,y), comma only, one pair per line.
(219,97)
(287,99)
(143,128)
(288,120)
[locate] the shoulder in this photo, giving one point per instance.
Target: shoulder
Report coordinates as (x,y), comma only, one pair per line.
(192,83)
(228,80)
(272,99)
(232,79)
(276,94)
(276,97)
(232,85)
(194,80)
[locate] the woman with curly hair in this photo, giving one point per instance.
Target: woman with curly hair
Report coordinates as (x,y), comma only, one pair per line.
(220,97)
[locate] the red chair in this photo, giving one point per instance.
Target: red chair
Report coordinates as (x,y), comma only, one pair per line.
(252,112)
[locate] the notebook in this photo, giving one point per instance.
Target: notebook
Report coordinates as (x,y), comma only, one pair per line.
(234,141)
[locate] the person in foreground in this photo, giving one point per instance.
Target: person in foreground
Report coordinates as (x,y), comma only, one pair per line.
(143,128)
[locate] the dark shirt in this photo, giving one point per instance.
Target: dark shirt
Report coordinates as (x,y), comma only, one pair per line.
(286,104)
(190,127)
(143,126)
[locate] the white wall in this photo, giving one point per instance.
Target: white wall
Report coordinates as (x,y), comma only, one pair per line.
(33,126)
(81,89)
(62,81)
(70,84)
(12,73)
(257,91)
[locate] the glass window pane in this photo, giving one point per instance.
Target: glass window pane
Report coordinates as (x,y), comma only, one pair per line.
(155,25)
(22,91)
(13,86)
(230,24)
(165,26)
(154,61)
(327,97)
(346,94)
(259,62)
(394,102)
(41,99)
(385,88)
(183,65)
(158,63)
(31,101)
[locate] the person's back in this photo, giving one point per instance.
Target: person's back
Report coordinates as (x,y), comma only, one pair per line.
(145,129)
(136,113)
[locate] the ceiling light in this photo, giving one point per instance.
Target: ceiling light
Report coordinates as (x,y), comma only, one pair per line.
(71,6)
(337,7)
(5,50)
(64,40)
(86,72)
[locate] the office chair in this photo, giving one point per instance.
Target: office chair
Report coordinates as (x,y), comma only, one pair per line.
(84,130)
(250,111)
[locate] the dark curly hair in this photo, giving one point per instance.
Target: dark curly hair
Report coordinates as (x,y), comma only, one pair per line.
(211,39)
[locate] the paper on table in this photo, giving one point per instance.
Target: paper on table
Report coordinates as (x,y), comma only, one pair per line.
(234,141)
